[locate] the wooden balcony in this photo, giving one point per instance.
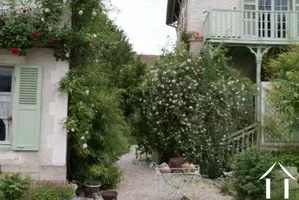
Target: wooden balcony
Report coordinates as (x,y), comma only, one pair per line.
(251,27)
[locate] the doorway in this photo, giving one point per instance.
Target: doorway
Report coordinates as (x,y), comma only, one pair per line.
(273,18)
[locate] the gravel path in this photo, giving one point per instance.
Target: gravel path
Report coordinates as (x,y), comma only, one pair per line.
(140,183)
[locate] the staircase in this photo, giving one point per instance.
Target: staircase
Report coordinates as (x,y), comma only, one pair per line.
(243,139)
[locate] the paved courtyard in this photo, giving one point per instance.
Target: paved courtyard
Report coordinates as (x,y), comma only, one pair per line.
(140,183)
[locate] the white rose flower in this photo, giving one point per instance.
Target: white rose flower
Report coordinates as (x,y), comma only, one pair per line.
(82,138)
(42,19)
(67,55)
(72,129)
(80,12)
(47,10)
(94,13)
(94,35)
(84,146)
(64,1)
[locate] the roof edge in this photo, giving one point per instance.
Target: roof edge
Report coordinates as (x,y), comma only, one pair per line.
(173,10)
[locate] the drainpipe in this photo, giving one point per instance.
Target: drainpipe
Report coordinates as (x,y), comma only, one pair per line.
(260,51)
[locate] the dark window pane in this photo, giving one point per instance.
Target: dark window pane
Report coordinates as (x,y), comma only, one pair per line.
(5,81)
(2,130)
(284,3)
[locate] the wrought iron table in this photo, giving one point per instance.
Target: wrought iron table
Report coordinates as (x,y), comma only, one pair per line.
(176,178)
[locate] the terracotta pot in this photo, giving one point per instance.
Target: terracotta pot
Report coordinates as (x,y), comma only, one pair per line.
(164,169)
(187,167)
(176,162)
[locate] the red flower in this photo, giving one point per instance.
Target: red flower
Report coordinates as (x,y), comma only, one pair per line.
(35,35)
(197,34)
(52,39)
(14,50)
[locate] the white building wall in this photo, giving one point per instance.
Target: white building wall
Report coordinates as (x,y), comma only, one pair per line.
(50,162)
(196,15)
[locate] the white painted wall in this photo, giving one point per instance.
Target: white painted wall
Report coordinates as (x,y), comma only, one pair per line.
(50,162)
(196,17)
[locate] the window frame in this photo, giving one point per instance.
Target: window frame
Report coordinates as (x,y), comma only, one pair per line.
(7,142)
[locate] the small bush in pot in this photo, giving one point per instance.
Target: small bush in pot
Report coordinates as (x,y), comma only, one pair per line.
(248,167)
(92,183)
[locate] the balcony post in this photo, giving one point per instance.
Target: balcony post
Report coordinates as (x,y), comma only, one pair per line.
(260,51)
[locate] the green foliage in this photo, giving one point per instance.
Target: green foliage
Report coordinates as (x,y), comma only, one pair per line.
(110,175)
(248,167)
(26,26)
(190,104)
(101,87)
(50,191)
(285,93)
(102,80)
(226,187)
(14,186)
(278,194)
(288,160)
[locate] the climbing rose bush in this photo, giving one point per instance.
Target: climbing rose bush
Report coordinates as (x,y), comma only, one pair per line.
(191,104)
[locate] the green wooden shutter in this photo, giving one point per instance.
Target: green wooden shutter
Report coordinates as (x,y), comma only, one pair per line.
(27,107)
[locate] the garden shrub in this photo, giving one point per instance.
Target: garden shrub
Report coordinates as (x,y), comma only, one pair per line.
(50,191)
(14,185)
(99,83)
(284,94)
(248,167)
(191,103)
(109,175)
(289,160)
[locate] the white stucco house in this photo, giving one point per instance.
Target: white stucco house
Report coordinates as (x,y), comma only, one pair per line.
(32,138)
(249,27)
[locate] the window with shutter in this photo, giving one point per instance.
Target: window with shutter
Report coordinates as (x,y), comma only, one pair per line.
(5,104)
(27,107)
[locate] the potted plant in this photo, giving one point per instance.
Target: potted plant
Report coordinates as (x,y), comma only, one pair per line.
(91,186)
(176,161)
(109,195)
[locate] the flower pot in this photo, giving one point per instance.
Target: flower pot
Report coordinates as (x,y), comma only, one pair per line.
(176,162)
(90,189)
(109,195)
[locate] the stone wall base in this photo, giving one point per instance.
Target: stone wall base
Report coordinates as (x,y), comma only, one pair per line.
(43,172)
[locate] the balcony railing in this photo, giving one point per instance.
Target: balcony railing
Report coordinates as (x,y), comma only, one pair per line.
(251,26)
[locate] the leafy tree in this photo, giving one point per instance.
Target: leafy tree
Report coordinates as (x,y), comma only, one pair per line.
(190,104)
